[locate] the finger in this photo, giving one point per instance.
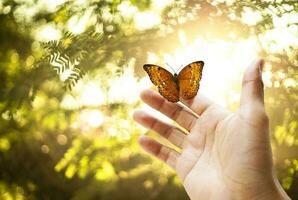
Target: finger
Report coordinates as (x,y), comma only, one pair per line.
(177,112)
(173,134)
(199,104)
(252,84)
(162,152)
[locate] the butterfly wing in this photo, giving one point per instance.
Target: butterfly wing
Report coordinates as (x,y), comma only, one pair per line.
(189,79)
(164,80)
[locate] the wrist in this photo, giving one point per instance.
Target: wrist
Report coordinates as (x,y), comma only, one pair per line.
(274,191)
(263,190)
(280,192)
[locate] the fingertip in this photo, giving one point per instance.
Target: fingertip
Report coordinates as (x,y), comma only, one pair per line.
(254,70)
(148,144)
(256,63)
(137,115)
(262,62)
(252,85)
(144,93)
(261,65)
(142,139)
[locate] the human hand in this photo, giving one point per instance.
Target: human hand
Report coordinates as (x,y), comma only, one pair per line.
(224,154)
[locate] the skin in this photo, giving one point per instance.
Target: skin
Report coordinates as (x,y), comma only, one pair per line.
(224,154)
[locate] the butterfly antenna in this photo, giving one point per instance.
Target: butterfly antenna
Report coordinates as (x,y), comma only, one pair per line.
(171,67)
(180,68)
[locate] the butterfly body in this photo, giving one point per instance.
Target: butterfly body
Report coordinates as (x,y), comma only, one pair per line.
(184,85)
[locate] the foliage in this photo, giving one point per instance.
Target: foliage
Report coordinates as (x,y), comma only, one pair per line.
(47,151)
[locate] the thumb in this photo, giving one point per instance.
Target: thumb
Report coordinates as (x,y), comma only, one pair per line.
(252,84)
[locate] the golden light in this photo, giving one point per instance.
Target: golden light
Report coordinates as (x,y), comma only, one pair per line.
(45,149)
(78,24)
(225,62)
(119,129)
(69,102)
(127,87)
(85,94)
(90,119)
(62,139)
(50,5)
(160,5)
(251,17)
(66,74)
(91,94)
(149,19)
(146,20)
(47,32)
(126,9)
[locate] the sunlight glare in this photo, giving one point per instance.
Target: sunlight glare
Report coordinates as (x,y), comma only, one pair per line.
(250,17)
(152,58)
(69,102)
(91,118)
(65,74)
(126,9)
(91,95)
(50,5)
(225,62)
(182,37)
(126,88)
(160,5)
(149,19)
(146,20)
(285,37)
(47,32)
(83,94)
(77,24)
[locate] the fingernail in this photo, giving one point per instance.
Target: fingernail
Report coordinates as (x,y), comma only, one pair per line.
(135,114)
(138,115)
(142,138)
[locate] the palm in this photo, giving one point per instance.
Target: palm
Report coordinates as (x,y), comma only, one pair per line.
(200,162)
(218,156)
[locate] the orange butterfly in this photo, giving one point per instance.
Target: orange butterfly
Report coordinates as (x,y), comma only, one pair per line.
(173,87)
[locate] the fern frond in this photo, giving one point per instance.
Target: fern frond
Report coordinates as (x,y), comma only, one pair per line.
(69,52)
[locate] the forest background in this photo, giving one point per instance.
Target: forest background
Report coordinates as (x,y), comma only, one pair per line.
(71,72)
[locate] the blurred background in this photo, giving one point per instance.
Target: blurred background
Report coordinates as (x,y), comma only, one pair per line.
(71,72)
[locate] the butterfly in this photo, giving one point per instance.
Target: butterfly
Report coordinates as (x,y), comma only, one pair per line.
(185,85)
